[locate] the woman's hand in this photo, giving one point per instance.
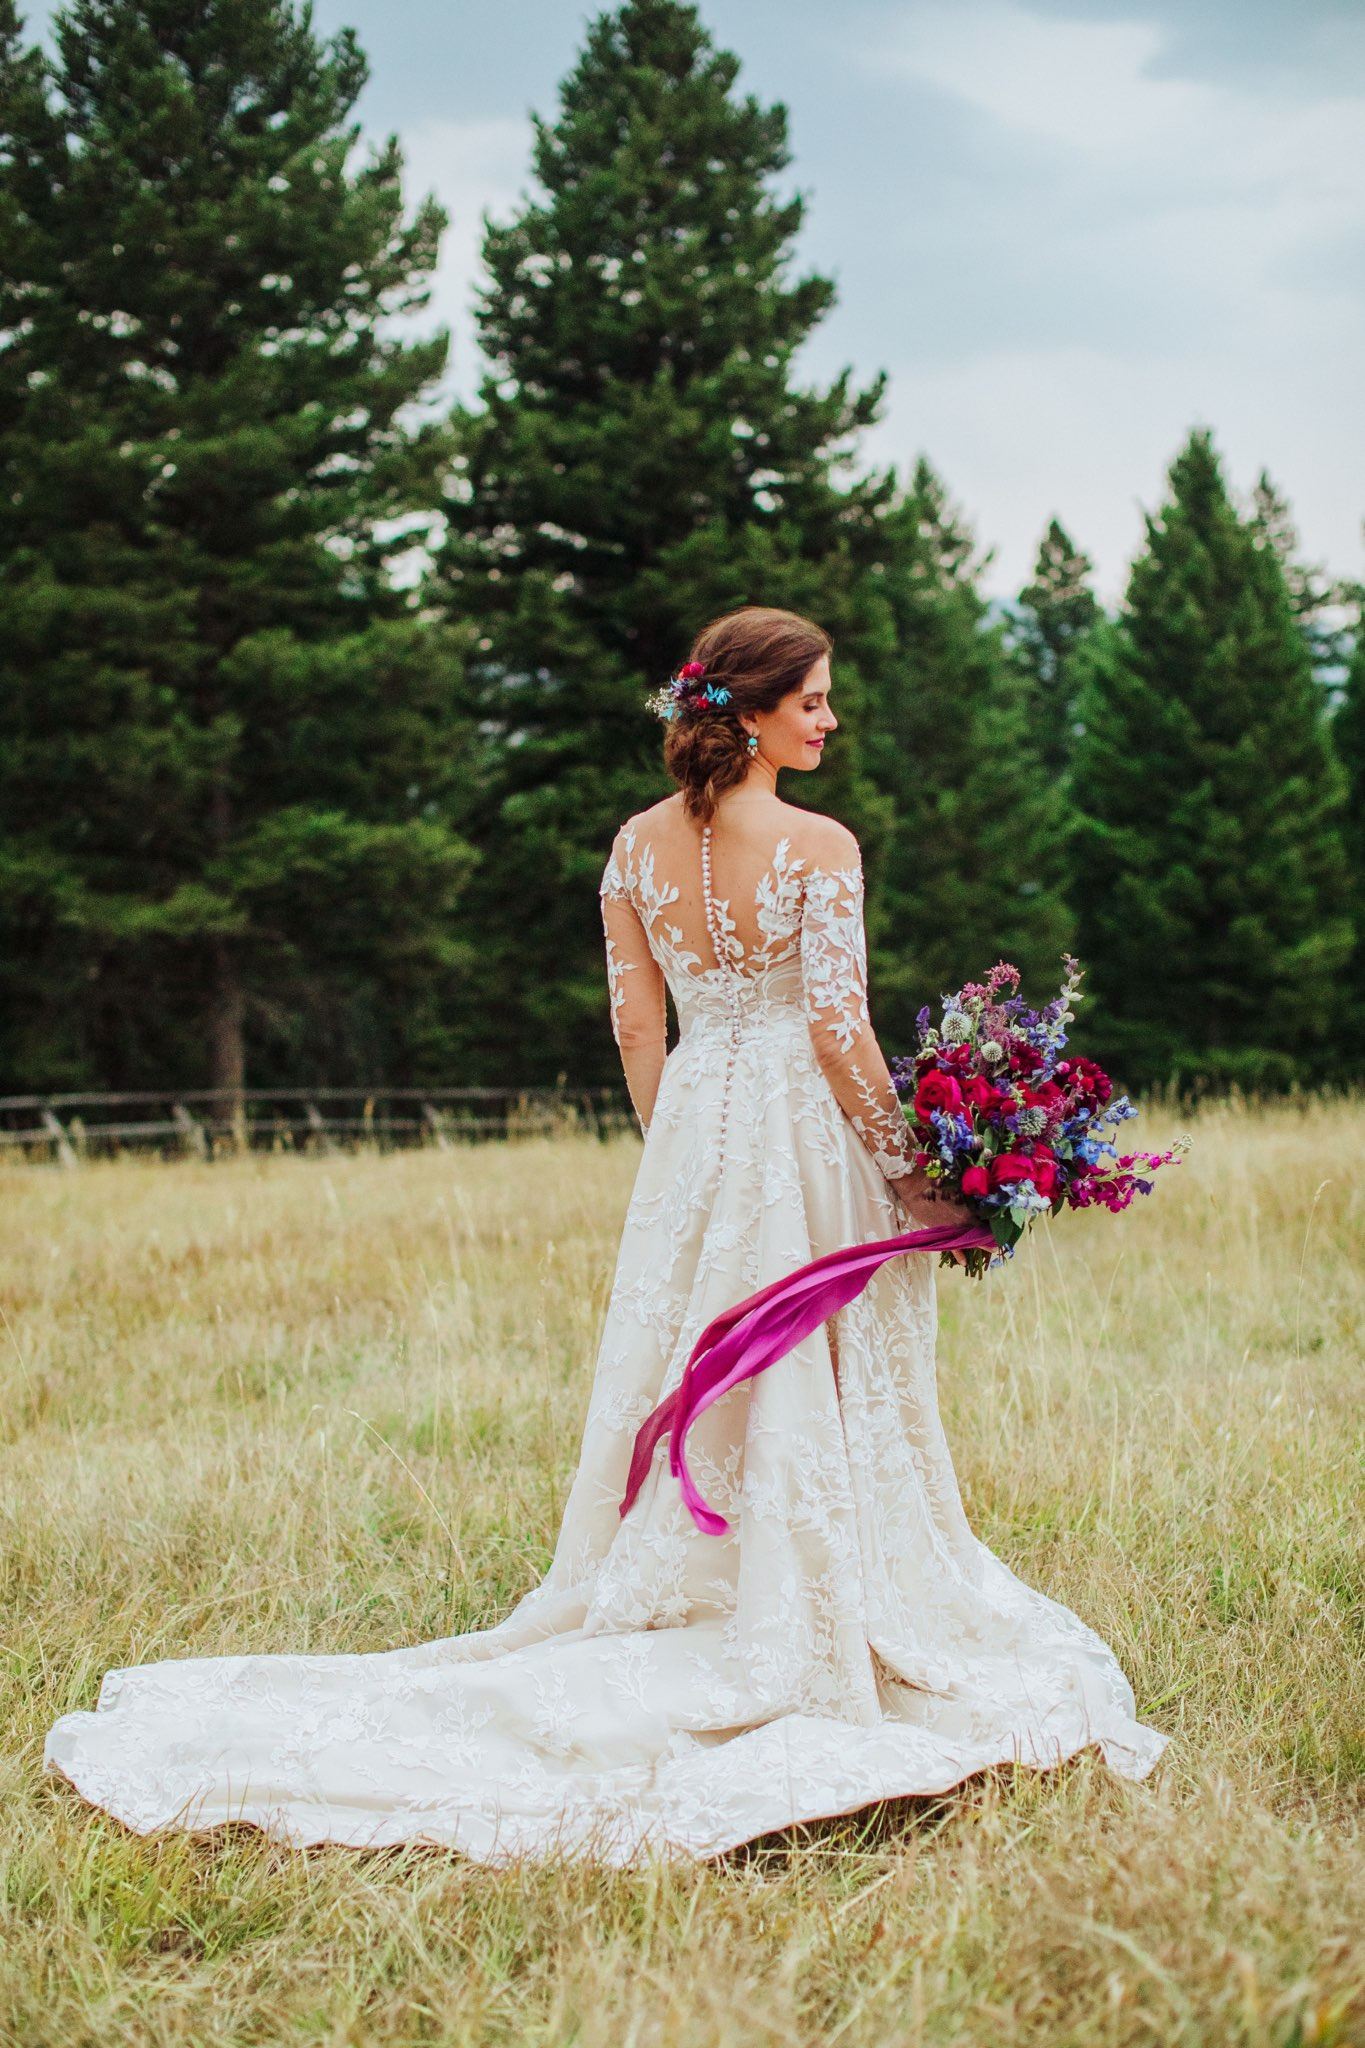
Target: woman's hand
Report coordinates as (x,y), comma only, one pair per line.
(911,1191)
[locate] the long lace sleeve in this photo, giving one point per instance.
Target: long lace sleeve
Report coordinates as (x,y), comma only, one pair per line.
(834,986)
(635,985)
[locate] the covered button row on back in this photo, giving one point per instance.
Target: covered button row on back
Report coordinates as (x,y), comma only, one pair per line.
(727,966)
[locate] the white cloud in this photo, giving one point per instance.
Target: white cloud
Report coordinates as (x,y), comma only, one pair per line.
(1026,435)
(1116,257)
(1194,150)
(1091,88)
(1170,252)
(1079,84)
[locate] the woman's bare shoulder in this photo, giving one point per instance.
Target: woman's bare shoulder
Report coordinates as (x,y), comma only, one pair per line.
(823,838)
(666,808)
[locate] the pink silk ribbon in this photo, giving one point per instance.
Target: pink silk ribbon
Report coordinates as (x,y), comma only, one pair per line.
(745,1340)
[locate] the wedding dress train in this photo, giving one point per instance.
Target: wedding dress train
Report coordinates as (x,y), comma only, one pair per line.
(663,1690)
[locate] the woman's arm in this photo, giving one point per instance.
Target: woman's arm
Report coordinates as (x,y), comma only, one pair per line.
(635,984)
(834,984)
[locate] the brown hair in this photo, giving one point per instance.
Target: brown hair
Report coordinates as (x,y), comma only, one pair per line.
(758,654)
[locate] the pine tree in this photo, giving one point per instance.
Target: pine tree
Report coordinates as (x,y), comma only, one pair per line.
(641,460)
(1056,611)
(230,746)
(974,867)
(1348,729)
(1312,596)
(1209,863)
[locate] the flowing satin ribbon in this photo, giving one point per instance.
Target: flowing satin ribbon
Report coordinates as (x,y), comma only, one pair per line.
(744,1340)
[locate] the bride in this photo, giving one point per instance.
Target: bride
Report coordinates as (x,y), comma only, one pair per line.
(848,1639)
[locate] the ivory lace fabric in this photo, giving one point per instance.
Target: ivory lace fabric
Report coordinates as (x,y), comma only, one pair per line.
(662,1691)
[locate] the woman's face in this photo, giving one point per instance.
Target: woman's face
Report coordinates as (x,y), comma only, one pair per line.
(792,734)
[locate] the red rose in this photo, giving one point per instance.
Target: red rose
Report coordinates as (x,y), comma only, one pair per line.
(1008,1167)
(937,1091)
(976,1181)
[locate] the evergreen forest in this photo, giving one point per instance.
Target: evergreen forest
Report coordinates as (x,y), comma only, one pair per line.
(278,808)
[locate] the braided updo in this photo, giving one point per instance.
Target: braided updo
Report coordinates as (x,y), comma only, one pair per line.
(758,654)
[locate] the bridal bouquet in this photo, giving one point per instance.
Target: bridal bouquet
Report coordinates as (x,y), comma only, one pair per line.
(1005,1123)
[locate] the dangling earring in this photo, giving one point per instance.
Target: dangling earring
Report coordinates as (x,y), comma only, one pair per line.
(753,743)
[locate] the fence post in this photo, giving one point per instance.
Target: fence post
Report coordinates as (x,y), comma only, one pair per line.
(435,1123)
(317,1128)
(62,1147)
(192,1139)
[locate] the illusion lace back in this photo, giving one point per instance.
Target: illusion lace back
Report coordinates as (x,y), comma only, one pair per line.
(661,1690)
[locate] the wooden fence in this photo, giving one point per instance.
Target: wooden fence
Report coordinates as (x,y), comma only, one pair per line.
(207,1123)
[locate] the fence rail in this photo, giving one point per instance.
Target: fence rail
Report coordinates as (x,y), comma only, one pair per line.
(207,1123)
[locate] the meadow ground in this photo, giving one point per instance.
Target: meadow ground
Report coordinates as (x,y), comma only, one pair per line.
(294,1404)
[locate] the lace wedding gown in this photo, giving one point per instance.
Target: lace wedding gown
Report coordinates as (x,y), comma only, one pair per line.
(663,1690)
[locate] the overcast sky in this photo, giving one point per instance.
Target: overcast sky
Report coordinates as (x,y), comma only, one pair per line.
(1069,229)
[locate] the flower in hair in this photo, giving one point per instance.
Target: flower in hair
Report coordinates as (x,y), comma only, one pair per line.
(681,691)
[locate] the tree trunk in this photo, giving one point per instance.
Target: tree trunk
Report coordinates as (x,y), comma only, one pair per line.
(227,1050)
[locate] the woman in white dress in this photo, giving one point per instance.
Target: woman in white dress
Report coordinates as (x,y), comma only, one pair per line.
(848,1639)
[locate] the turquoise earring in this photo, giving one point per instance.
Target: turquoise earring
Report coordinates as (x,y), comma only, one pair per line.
(753,742)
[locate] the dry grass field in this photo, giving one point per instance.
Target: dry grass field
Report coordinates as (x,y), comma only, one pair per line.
(310,1404)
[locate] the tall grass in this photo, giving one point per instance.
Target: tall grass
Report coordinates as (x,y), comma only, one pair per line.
(289,1404)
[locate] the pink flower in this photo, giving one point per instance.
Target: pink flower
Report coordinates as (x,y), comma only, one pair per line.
(692,670)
